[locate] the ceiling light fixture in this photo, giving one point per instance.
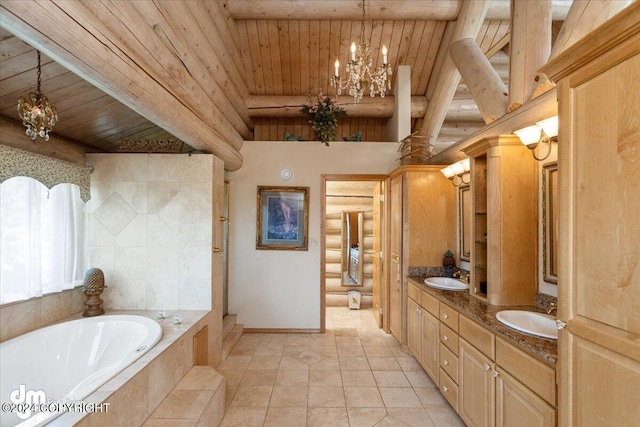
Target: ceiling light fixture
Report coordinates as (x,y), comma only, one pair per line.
(545,131)
(360,74)
(37,114)
(459,170)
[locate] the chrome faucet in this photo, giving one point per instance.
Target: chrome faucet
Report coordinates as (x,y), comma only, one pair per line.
(462,276)
(553,308)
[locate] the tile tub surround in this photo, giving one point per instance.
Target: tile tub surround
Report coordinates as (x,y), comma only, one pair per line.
(485,314)
(138,390)
(150,229)
(352,375)
(20,317)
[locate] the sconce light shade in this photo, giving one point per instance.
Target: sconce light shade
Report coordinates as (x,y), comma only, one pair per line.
(466,164)
(458,170)
(529,135)
(549,126)
(448,171)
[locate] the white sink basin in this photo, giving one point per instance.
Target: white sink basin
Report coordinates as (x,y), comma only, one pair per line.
(446,283)
(538,324)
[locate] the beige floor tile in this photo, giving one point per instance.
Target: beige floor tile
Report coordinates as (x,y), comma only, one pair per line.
(298,339)
(244,349)
(391,379)
(419,379)
(308,356)
(363,397)
(400,398)
(229,392)
(351,351)
(358,379)
(259,377)
(415,417)
(232,376)
(252,396)
(378,340)
(409,364)
(347,341)
(390,421)
(327,417)
(244,417)
(289,363)
(324,378)
(384,364)
(430,397)
(354,364)
(365,417)
(183,404)
(326,397)
(345,332)
(171,422)
(328,364)
(293,378)
(323,339)
(377,350)
(445,416)
(235,362)
(200,378)
(267,350)
(264,362)
(286,417)
(289,396)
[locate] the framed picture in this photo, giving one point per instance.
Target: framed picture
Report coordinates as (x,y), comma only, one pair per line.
(283,218)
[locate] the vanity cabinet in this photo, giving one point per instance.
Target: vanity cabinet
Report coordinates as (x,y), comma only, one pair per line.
(504,225)
(423,330)
(422,229)
(477,387)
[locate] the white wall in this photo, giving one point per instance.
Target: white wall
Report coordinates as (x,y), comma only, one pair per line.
(281,289)
(150,229)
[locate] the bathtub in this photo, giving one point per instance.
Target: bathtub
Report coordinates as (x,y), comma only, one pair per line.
(67,362)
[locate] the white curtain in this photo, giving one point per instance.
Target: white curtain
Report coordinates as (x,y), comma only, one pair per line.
(42,238)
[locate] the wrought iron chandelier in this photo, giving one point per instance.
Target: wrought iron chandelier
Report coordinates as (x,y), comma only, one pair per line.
(37,114)
(360,72)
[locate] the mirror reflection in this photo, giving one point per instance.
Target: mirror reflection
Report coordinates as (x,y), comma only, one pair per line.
(464,223)
(352,239)
(550,222)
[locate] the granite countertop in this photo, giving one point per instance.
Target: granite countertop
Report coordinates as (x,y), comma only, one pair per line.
(485,314)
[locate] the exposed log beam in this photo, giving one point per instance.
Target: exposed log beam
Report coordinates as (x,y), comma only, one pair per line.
(226,30)
(12,134)
(487,88)
(289,106)
(82,43)
(530,47)
(472,15)
(584,16)
(376,9)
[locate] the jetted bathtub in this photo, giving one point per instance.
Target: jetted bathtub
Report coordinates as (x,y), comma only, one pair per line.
(68,361)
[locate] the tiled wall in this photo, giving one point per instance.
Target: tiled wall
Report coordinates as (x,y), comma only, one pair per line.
(150,229)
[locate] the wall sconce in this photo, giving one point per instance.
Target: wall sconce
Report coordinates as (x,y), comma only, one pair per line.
(545,131)
(458,170)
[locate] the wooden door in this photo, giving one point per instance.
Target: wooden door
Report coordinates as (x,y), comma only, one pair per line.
(430,343)
(414,334)
(377,255)
(395,271)
(599,280)
(477,387)
(516,405)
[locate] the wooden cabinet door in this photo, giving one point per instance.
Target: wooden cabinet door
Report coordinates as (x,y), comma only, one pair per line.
(414,333)
(516,405)
(430,344)
(599,245)
(395,270)
(476,395)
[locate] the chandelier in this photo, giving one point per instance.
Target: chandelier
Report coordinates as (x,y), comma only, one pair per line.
(36,113)
(360,74)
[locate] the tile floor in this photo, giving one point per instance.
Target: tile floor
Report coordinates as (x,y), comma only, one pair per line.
(352,375)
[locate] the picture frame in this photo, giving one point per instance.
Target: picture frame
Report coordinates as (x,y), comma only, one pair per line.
(282,218)
(550,212)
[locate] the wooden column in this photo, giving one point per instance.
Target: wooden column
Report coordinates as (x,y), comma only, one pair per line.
(470,19)
(530,47)
(487,88)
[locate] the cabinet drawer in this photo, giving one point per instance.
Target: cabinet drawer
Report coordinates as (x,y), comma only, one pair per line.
(540,378)
(478,337)
(449,362)
(449,389)
(449,338)
(430,303)
(449,317)
(414,293)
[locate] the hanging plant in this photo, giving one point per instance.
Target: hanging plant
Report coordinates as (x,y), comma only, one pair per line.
(323,117)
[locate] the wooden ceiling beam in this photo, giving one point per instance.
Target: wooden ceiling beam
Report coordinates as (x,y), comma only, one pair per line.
(440,10)
(82,43)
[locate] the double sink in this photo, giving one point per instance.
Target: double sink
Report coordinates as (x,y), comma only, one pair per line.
(529,322)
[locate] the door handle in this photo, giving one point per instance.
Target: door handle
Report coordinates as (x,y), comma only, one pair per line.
(223,218)
(217,250)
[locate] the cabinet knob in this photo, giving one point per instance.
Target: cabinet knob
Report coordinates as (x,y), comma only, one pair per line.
(445,362)
(217,250)
(446,338)
(446,316)
(445,388)
(223,218)
(495,374)
(486,367)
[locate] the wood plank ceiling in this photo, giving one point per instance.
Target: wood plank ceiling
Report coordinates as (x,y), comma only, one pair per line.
(281,57)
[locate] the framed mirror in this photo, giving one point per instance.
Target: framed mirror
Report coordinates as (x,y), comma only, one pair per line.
(352,248)
(464,223)
(550,222)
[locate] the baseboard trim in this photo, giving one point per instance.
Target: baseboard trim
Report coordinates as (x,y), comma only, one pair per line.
(280,331)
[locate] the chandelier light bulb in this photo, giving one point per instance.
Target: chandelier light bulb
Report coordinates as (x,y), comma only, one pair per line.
(337,74)
(384,54)
(353,51)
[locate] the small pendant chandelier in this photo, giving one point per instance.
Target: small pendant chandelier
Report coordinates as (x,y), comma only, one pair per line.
(360,75)
(37,114)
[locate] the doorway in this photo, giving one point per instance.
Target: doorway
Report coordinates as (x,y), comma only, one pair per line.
(353,235)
